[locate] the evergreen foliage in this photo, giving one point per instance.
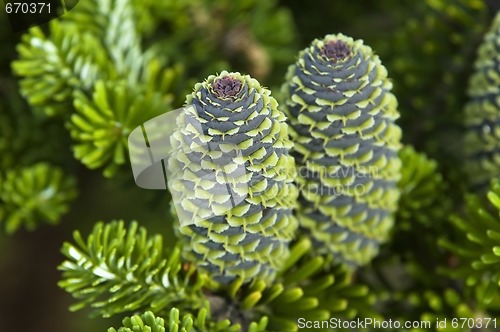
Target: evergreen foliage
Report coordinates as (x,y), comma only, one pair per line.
(426,234)
(425,200)
(478,252)
(147,322)
(307,286)
(52,67)
(26,139)
(424,208)
(118,269)
(63,70)
(422,186)
(100,127)
(34,194)
(431,305)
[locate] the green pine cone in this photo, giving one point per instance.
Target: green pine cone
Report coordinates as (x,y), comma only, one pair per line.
(341,113)
(251,238)
(482,112)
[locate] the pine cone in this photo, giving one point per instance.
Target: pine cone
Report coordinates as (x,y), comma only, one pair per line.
(341,114)
(249,214)
(482,113)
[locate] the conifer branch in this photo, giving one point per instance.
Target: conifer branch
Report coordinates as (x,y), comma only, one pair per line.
(33,195)
(118,269)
